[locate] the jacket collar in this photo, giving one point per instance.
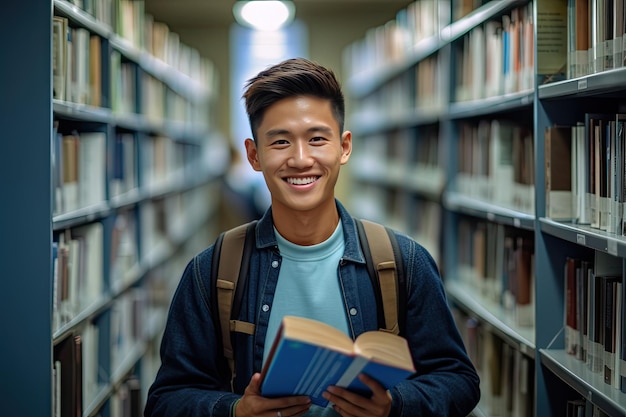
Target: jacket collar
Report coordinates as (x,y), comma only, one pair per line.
(265,237)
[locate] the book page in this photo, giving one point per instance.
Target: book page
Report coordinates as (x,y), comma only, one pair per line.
(386,348)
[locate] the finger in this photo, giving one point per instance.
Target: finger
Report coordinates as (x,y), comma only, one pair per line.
(341,411)
(295,410)
(377,389)
(254,386)
(348,402)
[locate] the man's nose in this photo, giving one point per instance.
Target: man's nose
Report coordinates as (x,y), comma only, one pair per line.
(301,154)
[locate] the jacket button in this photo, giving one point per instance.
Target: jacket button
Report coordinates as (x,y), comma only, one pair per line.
(353,311)
(265,308)
(274,264)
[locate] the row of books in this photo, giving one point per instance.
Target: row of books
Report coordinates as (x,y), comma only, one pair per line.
(167,220)
(76,63)
(506,374)
(92,67)
(76,382)
(100,259)
(595,36)
(95,357)
(78,169)
(396,206)
(586,172)
(498,263)
(78,271)
(497,57)
(82,169)
(128,20)
(395,40)
(593,316)
(429,84)
(496,163)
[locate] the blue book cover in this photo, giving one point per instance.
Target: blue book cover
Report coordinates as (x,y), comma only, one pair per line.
(307,356)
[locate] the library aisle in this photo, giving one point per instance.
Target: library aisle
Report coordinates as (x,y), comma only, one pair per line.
(501,128)
(491,131)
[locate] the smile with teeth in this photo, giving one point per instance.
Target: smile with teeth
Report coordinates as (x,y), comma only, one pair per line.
(301,181)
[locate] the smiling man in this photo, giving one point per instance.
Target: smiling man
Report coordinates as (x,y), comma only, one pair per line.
(307,261)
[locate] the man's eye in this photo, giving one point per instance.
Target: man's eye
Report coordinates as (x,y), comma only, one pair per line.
(317,139)
(280,142)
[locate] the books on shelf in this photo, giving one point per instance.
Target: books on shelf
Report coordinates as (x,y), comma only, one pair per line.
(496,163)
(596,31)
(497,58)
(552,44)
(506,373)
(594,310)
(68,374)
(597,159)
(558,173)
(307,356)
(78,271)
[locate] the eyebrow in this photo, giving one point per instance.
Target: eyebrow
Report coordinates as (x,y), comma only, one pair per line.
(314,129)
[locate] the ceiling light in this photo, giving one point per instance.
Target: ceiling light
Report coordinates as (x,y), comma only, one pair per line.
(264,14)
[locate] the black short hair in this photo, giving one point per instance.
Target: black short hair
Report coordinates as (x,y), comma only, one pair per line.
(290,78)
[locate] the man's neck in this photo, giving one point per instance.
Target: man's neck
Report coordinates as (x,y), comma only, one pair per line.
(306,227)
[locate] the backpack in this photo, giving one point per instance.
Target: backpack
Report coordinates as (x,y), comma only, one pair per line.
(231,261)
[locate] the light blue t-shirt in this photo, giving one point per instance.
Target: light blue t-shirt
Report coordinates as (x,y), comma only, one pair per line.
(308,286)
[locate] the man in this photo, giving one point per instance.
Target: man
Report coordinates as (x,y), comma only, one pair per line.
(307,262)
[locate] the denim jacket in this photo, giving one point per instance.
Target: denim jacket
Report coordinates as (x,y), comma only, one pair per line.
(193,378)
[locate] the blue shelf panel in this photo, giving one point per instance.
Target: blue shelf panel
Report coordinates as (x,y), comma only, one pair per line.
(179,131)
(477,17)
(493,316)
(81,216)
(369,123)
(591,386)
(492,105)
(586,236)
(467,205)
(81,112)
(595,84)
(425,182)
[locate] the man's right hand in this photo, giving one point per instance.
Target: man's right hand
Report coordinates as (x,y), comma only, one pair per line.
(253,404)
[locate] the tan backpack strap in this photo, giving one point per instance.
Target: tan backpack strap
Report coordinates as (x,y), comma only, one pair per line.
(227,276)
(384,261)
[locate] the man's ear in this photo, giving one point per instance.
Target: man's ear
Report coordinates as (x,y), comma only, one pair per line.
(252,154)
(346,146)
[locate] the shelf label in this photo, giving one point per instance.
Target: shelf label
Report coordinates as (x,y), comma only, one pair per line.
(582,84)
(580,239)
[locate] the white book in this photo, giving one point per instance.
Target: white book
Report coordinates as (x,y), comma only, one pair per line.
(619,7)
(59,59)
(91,279)
(582,173)
(92,168)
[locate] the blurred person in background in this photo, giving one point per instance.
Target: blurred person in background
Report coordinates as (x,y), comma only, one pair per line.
(244,196)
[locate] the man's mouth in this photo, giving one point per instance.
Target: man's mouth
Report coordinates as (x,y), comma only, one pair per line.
(301,181)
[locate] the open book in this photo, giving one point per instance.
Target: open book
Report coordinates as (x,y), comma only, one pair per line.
(307,356)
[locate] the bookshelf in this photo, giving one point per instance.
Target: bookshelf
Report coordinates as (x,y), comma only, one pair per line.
(461,108)
(110,189)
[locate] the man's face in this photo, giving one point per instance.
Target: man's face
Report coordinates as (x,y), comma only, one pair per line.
(299,149)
